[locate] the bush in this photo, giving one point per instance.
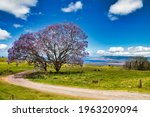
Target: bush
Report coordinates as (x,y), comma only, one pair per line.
(138,63)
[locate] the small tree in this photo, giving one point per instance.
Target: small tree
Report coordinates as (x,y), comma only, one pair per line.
(137,63)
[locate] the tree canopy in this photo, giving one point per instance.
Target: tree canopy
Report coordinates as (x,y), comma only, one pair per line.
(57,44)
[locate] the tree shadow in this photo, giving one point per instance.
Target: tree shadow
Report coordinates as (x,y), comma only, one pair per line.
(66,72)
(44,75)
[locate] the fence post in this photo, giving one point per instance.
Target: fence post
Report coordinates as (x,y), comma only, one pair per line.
(12,97)
(140,83)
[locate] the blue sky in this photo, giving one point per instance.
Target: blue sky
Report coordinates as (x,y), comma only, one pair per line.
(114,27)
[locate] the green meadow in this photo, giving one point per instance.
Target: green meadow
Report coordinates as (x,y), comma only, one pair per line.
(88,76)
(9,91)
(7,69)
(96,77)
(12,92)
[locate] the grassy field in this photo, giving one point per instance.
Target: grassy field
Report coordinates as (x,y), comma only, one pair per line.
(7,69)
(8,91)
(97,77)
(90,76)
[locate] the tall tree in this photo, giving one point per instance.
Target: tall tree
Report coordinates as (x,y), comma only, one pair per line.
(58,44)
(64,43)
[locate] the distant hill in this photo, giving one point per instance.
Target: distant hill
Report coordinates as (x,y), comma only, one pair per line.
(108,60)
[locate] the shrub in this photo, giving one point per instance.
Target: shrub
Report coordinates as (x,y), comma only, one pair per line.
(138,63)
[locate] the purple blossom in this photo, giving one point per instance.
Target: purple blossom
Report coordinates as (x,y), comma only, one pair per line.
(57,44)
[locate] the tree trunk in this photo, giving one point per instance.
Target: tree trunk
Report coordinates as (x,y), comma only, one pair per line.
(45,67)
(57,70)
(57,66)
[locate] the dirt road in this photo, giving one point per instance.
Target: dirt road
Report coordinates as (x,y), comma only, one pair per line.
(77,92)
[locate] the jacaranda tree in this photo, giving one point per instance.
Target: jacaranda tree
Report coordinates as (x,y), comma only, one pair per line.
(27,48)
(58,44)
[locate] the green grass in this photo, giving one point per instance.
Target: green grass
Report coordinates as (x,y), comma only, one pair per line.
(8,92)
(20,93)
(109,78)
(7,69)
(2,59)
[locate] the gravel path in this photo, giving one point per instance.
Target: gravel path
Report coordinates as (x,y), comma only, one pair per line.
(78,92)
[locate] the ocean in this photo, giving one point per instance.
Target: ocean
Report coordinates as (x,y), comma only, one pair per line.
(107,60)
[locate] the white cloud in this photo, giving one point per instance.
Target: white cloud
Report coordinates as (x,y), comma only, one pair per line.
(116,49)
(124,7)
(112,17)
(4,34)
(120,51)
(3,46)
(17,25)
(19,8)
(73,7)
(101,52)
(139,49)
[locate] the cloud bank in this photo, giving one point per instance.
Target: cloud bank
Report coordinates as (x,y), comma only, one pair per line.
(19,8)
(130,51)
(73,7)
(124,7)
